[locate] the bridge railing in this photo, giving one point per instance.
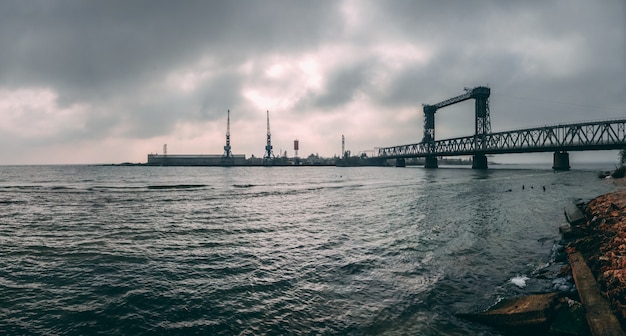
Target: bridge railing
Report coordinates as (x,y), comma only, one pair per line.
(596,135)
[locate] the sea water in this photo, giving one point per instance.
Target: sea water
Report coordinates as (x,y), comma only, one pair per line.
(273,250)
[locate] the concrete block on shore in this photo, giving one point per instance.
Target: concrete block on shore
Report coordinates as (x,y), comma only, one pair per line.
(527,311)
(574,215)
(599,316)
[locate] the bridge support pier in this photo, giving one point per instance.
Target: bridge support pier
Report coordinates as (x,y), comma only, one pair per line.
(479,161)
(560,160)
(400,162)
(431,162)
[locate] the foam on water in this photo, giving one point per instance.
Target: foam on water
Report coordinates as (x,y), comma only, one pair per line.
(520,281)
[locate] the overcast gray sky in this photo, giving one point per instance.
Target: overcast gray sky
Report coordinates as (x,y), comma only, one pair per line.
(111,81)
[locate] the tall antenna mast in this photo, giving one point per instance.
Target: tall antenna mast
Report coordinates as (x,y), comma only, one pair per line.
(227,153)
(268,148)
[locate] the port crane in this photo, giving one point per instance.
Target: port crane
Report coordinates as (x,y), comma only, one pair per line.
(227,157)
(269,154)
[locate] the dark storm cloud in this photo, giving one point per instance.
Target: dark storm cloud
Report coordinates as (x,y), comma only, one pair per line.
(343,84)
(209,102)
(219,94)
(94,49)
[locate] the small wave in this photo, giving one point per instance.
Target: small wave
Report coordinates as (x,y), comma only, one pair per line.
(357,267)
(61,188)
(243,185)
(12,202)
(314,188)
(98,187)
(177,186)
(22,187)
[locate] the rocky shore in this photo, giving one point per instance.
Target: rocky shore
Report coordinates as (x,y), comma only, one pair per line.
(602,242)
(595,245)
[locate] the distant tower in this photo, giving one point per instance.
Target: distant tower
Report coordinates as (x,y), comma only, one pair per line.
(343,146)
(269,155)
(227,158)
(164,161)
(296,146)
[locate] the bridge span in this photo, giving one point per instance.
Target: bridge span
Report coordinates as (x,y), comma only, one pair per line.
(561,138)
(597,135)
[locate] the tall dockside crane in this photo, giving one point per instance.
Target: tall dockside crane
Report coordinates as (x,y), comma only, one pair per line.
(482,123)
(227,158)
(269,155)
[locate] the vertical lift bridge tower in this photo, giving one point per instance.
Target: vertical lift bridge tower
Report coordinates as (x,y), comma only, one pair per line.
(482,124)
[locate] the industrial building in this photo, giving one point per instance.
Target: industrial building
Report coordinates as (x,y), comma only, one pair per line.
(195,160)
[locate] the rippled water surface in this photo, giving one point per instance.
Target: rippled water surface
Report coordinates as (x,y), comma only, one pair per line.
(254,250)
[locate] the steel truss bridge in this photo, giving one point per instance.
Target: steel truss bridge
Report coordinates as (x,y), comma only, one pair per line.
(585,136)
(598,135)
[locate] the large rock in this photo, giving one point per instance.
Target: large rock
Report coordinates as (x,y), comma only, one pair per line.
(603,249)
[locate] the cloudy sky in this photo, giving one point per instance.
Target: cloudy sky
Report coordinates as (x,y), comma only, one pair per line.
(111,81)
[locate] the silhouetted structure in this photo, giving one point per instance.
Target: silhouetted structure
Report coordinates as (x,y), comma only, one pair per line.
(227,158)
(269,154)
